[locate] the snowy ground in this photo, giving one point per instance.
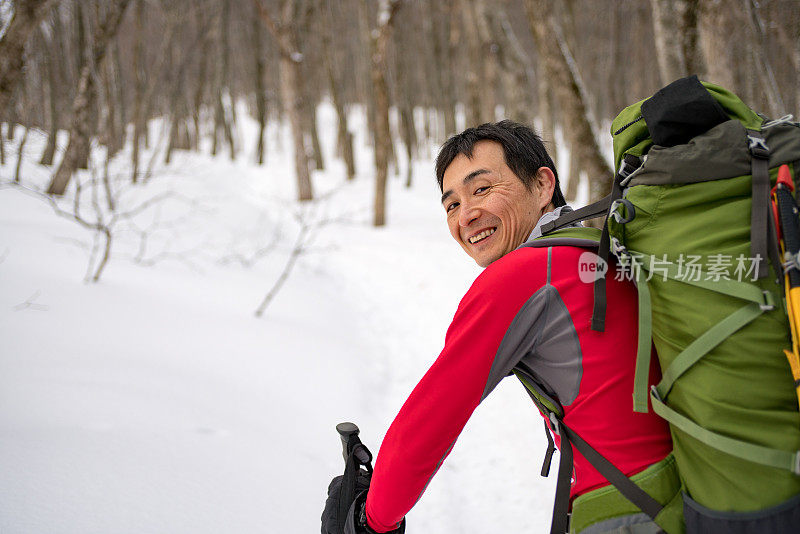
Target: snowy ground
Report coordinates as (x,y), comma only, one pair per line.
(155,401)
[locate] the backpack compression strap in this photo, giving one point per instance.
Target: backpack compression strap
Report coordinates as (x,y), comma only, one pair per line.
(553,412)
(757,301)
(759,217)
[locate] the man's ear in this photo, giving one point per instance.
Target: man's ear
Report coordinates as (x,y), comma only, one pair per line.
(545,182)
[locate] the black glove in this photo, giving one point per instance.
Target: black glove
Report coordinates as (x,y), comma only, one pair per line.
(355,519)
(335,513)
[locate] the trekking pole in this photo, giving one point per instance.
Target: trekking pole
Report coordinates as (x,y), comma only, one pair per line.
(788,228)
(355,478)
(348,432)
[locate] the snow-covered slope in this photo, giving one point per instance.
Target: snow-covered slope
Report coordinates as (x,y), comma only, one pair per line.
(155,401)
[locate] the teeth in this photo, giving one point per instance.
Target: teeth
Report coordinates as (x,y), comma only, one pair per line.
(486,233)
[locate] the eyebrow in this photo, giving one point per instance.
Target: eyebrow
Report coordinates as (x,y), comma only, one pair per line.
(468,178)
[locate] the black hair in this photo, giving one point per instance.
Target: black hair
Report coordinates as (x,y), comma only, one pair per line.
(523,150)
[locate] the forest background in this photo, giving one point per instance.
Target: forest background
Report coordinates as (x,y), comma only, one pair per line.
(102,69)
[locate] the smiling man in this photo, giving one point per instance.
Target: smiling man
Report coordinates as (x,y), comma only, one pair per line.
(491,208)
(527,310)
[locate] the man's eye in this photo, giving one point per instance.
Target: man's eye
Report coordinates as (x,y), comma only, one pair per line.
(481,189)
(450,207)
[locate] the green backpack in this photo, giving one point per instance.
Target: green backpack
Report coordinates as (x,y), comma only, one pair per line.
(690,220)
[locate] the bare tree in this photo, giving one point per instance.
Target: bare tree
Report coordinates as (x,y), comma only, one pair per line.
(49,43)
(20,152)
(692,53)
(562,75)
(80,130)
(139,88)
(517,71)
(224,112)
(104,223)
(715,20)
(474,81)
(344,139)
(258,83)
(380,36)
(284,32)
(763,64)
(27,16)
(667,26)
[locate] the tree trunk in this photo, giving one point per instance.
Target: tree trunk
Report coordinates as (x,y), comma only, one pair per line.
(20,152)
(562,74)
(82,45)
(574,176)
(110,112)
(692,53)
(261,91)
(309,110)
(344,139)
(445,50)
(367,95)
(122,110)
(174,111)
(80,129)
(383,135)
(404,98)
(545,97)
(766,74)
(226,112)
(474,83)
(27,16)
(616,72)
(668,39)
(139,120)
(517,73)
(201,82)
(489,61)
(291,92)
(53,108)
(290,74)
(715,23)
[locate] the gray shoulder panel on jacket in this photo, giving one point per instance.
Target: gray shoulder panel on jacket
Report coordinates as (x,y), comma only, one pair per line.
(543,334)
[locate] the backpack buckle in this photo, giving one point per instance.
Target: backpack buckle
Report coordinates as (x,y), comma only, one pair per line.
(790,261)
(628,205)
(769,303)
(554,424)
(757,146)
(618,249)
(654,393)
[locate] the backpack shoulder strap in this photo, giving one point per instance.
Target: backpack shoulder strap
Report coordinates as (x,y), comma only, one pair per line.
(568,237)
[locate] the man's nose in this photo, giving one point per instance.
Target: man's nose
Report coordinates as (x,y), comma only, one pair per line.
(469,212)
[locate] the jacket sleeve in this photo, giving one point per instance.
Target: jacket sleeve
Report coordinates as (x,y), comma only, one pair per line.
(424,431)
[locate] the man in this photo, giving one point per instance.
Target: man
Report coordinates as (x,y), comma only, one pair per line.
(530,308)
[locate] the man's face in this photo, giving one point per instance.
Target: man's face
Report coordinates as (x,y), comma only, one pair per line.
(489,210)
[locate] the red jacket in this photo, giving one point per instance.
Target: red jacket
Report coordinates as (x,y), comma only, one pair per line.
(529,306)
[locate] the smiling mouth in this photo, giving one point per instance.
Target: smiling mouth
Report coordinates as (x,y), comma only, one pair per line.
(481,236)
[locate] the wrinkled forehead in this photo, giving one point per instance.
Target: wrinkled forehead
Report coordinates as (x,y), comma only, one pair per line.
(486,156)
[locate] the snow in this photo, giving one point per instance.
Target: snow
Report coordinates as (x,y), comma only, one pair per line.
(155,401)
